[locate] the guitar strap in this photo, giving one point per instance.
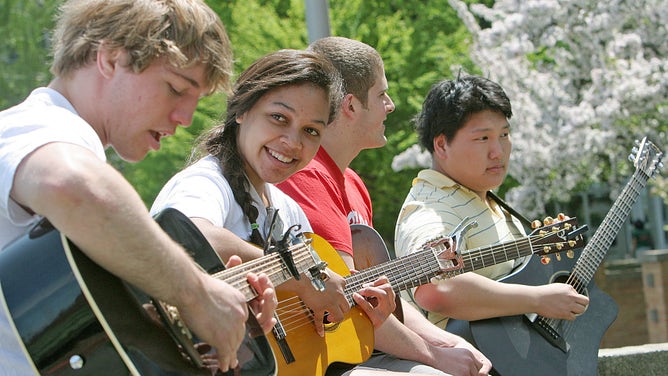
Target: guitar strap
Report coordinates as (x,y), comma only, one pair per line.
(510,210)
(513,213)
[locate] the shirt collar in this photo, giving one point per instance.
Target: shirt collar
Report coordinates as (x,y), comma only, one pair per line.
(436,179)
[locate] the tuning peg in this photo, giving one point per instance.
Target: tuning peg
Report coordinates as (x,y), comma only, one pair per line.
(570,254)
(548,221)
(545,260)
(535,224)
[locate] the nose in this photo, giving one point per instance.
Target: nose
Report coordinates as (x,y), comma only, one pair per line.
(389,104)
(292,138)
(183,113)
(495,149)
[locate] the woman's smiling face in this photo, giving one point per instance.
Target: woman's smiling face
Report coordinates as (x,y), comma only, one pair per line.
(281,133)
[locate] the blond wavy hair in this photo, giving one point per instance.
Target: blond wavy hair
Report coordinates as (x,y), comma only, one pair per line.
(185,32)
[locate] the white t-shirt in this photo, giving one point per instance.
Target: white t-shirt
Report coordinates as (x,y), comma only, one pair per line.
(44,117)
(200,190)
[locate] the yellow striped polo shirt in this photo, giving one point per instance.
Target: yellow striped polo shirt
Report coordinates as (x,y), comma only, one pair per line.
(435,205)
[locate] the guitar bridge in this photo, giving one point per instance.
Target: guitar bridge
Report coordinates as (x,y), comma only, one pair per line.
(547,331)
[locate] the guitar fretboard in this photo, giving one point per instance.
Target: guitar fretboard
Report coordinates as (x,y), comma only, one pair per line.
(597,247)
(272,265)
(419,267)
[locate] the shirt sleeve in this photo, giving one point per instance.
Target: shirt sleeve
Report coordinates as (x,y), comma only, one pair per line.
(197,196)
(320,199)
(417,224)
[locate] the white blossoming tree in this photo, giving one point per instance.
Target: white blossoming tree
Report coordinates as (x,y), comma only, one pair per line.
(585,79)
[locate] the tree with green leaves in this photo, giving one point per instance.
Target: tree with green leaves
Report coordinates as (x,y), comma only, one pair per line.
(24,47)
(421,43)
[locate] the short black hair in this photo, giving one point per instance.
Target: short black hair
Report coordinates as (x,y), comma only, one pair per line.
(450,103)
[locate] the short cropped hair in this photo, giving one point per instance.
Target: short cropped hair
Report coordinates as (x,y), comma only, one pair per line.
(358,63)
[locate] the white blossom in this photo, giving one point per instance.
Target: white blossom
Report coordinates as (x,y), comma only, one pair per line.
(576,72)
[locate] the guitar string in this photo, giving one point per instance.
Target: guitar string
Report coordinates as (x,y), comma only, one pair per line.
(596,249)
(307,319)
(272,266)
(293,313)
(292,317)
(262,265)
(426,256)
(475,258)
(295,316)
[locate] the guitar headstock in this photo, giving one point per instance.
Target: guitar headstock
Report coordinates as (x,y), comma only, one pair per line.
(557,237)
(646,157)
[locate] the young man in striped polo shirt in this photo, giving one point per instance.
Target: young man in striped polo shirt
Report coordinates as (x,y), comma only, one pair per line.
(464,124)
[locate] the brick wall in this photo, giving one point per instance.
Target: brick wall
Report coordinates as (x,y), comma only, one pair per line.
(622,280)
(655,281)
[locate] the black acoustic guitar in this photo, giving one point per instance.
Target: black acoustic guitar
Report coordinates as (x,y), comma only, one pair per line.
(535,345)
(75,318)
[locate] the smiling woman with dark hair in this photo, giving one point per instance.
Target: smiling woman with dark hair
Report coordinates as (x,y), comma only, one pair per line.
(276,115)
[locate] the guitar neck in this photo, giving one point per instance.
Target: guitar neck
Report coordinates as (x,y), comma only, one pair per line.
(419,267)
(597,247)
(272,265)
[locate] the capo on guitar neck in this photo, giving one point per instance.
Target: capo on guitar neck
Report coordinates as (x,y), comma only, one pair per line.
(283,248)
(580,230)
(462,228)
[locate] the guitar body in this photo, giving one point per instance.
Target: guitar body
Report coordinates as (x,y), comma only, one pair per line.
(370,250)
(63,305)
(519,346)
(349,341)
(516,348)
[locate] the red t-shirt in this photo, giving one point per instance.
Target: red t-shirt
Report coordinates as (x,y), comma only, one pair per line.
(332,201)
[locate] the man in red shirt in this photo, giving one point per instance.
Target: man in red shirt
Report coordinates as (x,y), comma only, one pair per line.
(333,197)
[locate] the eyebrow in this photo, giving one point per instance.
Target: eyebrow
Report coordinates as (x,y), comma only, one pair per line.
(485,129)
(189,79)
(192,81)
(383,89)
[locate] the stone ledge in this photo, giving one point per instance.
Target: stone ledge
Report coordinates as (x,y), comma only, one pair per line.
(654,255)
(646,360)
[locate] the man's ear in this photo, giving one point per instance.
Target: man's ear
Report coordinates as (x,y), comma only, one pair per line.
(440,146)
(348,105)
(108,60)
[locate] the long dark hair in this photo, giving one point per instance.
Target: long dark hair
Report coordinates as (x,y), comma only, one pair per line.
(277,69)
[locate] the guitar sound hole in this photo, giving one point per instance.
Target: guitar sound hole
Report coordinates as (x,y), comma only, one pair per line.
(563,277)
